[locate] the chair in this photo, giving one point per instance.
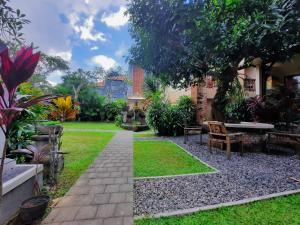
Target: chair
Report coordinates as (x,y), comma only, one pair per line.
(219,134)
(192,129)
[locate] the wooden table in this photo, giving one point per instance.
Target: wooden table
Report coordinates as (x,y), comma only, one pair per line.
(189,129)
(254,133)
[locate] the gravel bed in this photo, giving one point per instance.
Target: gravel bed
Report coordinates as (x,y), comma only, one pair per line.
(253,175)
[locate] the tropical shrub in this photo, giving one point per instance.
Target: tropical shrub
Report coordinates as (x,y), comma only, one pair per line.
(167,119)
(238,111)
(188,108)
(13,73)
(119,120)
(63,109)
(20,134)
(92,105)
(113,109)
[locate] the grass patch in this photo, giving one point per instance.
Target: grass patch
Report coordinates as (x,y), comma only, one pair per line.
(145,135)
(162,158)
(83,148)
(282,210)
(91,125)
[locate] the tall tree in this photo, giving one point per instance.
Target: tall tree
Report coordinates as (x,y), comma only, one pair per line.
(11,23)
(75,81)
(182,41)
(47,65)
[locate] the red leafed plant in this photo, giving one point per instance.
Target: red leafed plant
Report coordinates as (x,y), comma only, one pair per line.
(13,73)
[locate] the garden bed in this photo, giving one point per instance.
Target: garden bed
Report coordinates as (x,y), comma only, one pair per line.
(253,175)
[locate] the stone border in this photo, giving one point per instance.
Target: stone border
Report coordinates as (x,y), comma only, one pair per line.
(210,207)
(181,175)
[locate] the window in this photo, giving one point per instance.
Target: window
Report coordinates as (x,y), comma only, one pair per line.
(249,85)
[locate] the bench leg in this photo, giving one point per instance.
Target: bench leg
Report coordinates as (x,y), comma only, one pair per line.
(185,137)
(228,148)
(201,138)
(242,148)
(209,145)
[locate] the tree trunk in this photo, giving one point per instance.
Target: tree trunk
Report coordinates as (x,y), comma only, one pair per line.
(220,101)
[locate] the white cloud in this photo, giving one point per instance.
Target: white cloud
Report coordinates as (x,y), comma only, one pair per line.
(67,55)
(104,61)
(94,48)
(86,30)
(122,50)
(115,20)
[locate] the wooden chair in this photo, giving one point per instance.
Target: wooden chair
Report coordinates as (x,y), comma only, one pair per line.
(192,129)
(219,134)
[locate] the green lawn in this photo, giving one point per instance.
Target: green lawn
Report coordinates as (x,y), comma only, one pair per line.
(91,125)
(278,211)
(83,148)
(161,158)
(144,135)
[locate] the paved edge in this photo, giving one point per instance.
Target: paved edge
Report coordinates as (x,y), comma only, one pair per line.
(209,207)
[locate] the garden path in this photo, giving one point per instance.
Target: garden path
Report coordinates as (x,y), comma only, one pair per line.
(103,195)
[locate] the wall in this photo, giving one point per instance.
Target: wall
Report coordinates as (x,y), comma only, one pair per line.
(172,95)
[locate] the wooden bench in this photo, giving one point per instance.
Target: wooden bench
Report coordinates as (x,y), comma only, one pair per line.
(284,138)
(192,129)
(219,134)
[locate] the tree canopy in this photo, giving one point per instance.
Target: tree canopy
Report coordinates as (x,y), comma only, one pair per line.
(182,41)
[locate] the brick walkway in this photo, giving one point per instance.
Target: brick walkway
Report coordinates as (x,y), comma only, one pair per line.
(103,195)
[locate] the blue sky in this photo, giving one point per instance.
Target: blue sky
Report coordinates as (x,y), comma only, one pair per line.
(87,33)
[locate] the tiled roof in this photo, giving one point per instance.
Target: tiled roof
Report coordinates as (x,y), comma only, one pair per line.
(120,77)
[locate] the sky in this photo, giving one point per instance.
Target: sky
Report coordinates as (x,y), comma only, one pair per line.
(86,33)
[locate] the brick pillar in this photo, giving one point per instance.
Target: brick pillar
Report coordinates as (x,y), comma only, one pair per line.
(138,81)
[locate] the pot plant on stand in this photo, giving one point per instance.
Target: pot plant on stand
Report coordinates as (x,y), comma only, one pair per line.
(13,73)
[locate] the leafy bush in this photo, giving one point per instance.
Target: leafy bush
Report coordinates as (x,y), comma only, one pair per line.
(167,119)
(113,109)
(92,105)
(238,111)
(187,107)
(119,120)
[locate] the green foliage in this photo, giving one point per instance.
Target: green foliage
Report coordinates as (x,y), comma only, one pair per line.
(38,111)
(20,134)
(113,109)
(92,105)
(187,106)
(119,120)
(167,119)
(211,38)
(238,111)
(151,86)
(11,23)
(237,108)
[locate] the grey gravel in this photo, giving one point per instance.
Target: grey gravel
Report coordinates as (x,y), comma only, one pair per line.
(253,175)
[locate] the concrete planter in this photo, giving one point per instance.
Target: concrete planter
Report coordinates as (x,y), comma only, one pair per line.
(18,186)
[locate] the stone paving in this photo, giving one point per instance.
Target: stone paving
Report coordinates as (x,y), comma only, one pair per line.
(103,195)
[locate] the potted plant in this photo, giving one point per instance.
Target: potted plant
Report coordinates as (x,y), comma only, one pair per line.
(34,208)
(13,73)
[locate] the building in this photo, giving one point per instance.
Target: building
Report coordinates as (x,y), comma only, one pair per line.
(113,88)
(254,84)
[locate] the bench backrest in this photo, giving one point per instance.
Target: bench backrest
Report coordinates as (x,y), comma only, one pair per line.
(216,127)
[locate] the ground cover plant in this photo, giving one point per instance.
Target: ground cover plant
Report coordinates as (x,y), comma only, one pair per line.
(82,149)
(162,158)
(91,125)
(282,210)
